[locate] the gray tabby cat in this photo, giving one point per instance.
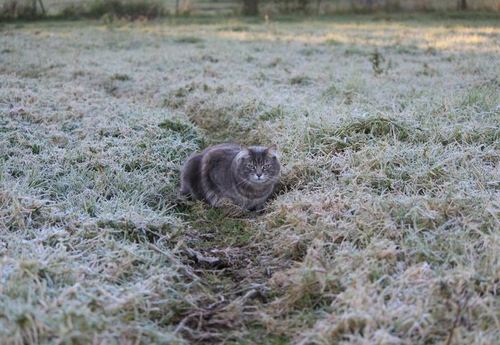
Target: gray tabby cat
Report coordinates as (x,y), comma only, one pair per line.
(230,174)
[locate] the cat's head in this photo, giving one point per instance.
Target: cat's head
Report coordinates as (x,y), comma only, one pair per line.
(258,164)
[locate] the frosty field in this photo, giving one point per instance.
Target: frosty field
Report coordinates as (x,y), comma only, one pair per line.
(385,228)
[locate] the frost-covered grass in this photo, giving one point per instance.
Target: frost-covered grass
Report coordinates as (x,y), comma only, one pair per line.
(385,229)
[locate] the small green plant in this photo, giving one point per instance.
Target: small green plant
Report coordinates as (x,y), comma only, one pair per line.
(188,40)
(120,77)
(332,42)
(377,60)
(300,80)
(272,114)
(36,149)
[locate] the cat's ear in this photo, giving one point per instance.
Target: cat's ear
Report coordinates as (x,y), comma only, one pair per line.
(272,150)
(244,153)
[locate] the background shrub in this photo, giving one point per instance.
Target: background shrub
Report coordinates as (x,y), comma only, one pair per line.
(126,9)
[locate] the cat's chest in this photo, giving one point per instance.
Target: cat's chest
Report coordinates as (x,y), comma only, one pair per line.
(255,199)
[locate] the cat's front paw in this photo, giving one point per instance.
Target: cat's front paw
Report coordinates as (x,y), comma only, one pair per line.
(259,209)
(182,199)
(229,208)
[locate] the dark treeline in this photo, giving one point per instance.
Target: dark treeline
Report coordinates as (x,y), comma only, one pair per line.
(12,9)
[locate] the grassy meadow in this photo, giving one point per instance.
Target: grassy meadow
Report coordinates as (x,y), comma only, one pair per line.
(385,228)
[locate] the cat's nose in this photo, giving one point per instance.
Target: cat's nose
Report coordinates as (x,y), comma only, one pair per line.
(258,174)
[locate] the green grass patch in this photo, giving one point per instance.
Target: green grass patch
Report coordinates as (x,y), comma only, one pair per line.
(222,230)
(189,40)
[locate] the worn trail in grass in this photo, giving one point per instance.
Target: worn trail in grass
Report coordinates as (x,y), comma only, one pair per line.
(384,228)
